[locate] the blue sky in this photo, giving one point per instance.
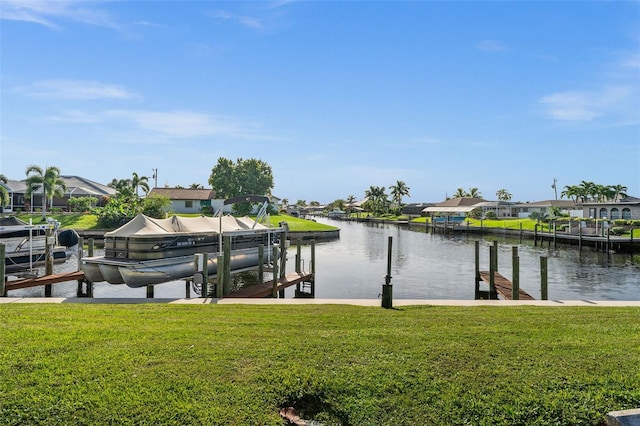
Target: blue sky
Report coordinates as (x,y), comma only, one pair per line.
(334,96)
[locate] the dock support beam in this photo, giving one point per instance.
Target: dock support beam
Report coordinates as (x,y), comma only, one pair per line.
(477,273)
(226,271)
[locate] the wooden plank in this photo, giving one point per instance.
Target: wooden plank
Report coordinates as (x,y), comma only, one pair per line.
(45,280)
(266,289)
(504,286)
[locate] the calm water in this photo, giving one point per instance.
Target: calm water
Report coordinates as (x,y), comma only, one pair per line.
(426,266)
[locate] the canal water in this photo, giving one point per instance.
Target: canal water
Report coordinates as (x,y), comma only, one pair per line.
(426,266)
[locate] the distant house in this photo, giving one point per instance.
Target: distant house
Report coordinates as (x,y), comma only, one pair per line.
(185,200)
(76,186)
(627,208)
(415,209)
(524,210)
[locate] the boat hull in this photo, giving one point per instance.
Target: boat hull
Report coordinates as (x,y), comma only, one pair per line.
(19,261)
(137,274)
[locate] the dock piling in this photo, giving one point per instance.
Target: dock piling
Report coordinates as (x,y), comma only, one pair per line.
(543,278)
(3,288)
(515,278)
(387,289)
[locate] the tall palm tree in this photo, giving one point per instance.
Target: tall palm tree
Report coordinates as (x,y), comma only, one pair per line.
(620,192)
(460,193)
(473,192)
(503,195)
(377,198)
(139,182)
(399,190)
(351,199)
(572,192)
(50,182)
(195,186)
(588,191)
(4,194)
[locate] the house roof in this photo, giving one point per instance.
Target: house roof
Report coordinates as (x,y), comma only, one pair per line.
(567,204)
(627,200)
(459,202)
(76,186)
(183,193)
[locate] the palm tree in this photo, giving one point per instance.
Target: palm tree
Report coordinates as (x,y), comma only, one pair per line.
(377,198)
(139,182)
(572,192)
(50,181)
(195,186)
(351,199)
(460,193)
(503,195)
(399,190)
(588,191)
(620,192)
(4,194)
(473,192)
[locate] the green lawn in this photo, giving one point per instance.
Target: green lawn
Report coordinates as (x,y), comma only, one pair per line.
(238,364)
(90,221)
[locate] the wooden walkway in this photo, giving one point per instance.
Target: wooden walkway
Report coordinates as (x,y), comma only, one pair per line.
(504,287)
(266,289)
(44,280)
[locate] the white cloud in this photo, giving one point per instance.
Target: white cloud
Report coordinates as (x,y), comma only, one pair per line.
(246,21)
(491,46)
(590,105)
(76,90)
(49,13)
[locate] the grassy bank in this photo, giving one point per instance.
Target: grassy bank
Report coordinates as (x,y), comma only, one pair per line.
(225,364)
(85,221)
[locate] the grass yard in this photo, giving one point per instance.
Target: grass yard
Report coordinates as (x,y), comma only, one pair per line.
(238,364)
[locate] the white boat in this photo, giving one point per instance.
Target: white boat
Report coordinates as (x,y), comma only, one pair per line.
(147,251)
(25,243)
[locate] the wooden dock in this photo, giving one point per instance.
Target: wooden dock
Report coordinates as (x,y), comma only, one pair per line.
(44,280)
(266,289)
(503,286)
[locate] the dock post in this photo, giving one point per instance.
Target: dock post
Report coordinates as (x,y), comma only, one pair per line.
(91,246)
(387,288)
(515,279)
(226,251)
(477,272)
(201,275)
(535,235)
(313,269)
(555,235)
(80,292)
(543,278)
(298,262)
(3,288)
(274,291)
(48,256)
(149,292)
(608,243)
(521,232)
(580,237)
(261,263)
(495,255)
(187,289)
(492,273)
(220,277)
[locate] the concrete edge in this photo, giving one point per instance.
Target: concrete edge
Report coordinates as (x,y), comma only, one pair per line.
(357,302)
(624,418)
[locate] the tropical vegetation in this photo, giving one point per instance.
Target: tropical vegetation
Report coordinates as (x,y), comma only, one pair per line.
(48,180)
(589,191)
(229,179)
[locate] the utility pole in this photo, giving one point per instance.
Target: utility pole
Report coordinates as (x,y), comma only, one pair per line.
(155,178)
(554,186)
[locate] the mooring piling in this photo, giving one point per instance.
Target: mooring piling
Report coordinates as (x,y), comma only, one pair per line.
(515,277)
(387,288)
(3,288)
(543,278)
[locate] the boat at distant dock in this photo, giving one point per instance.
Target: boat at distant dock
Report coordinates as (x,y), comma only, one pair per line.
(148,251)
(25,243)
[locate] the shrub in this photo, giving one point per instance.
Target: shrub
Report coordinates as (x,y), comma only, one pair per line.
(490,215)
(635,223)
(617,230)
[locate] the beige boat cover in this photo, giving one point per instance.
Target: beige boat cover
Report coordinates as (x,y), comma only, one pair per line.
(142,225)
